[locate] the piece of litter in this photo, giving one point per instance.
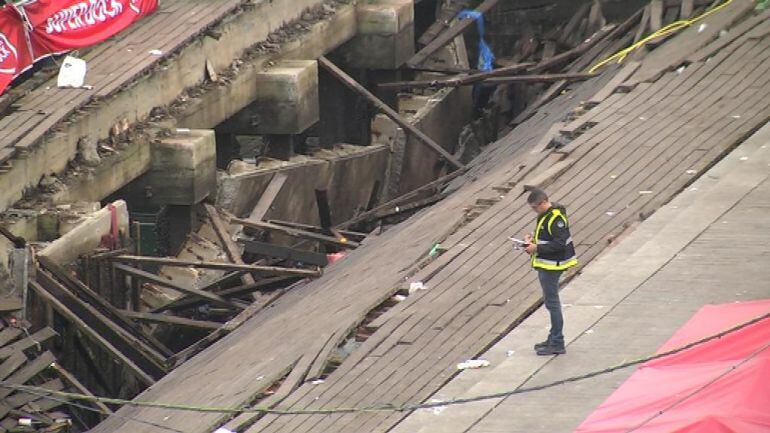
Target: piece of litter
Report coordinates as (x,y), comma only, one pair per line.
(155,52)
(509,353)
(680,70)
(399,298)
(183,130)
(744,158)
(690,171)
(613,176)
(642,118)
(223,430)
(473,363)
(434,250)
(694,188)
(702,27)
(645,192)
(72,73)
(260,377)
(418,285)
(437,409)
(590,331)
(737,116)
(610,213)
(598,307)
(317,382)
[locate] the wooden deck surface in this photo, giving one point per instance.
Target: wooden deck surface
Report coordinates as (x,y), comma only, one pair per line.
(638,150)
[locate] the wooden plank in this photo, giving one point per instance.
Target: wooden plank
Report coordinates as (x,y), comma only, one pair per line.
(8,335)
(348,81)
(146,342)
(12,363)
(171,320)
(21,398)
(35,339)
(317,229)
(567,56)
(459,80)
(268,196)
(302,234)
(644,24)
(116,347)
(273,270)
(32,369)
(144,275)
(443,19)
(620,77)
(225,239)
(656,15)
(449,34)
(686,9)
(543,78)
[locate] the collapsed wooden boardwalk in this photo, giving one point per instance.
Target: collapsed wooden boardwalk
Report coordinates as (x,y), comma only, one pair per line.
(628,155)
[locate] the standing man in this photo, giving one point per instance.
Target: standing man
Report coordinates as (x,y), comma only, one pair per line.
(552,252)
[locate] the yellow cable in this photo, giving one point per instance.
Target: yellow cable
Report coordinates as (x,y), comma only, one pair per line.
(671,28)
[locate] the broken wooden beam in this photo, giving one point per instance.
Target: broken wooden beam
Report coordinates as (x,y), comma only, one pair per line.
(230,247)
(456,81)
(303,234)
(567,56)
(25,343)
(447,35)
(312,228)
(365,216)
(75,383)
(85,294)
(97,328)
(544,78)
(348,81)
(156,279)
(168,261)
(265,285)
(171,320)
(409,206)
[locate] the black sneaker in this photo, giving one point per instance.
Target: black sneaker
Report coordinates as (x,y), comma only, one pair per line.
(542,344)
(551,349)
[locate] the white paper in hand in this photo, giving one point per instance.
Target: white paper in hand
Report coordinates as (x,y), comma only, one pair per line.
(72,73)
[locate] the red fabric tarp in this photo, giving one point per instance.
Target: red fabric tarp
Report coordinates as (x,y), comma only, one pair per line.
(14,50)
(62,25)
(736,403)
(56,26)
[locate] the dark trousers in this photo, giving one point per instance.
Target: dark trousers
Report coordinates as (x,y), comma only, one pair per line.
(549,281)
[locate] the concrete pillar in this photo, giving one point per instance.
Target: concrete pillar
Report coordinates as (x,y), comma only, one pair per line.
(183,170)
(286,101)
(385,38)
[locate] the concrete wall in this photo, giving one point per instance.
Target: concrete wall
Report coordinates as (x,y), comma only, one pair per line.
(347,172)
(87,235)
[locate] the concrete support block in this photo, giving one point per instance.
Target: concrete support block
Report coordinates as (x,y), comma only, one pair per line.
(385,38)
(286,101)
(183,170)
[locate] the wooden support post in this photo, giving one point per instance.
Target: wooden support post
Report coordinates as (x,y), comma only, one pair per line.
(303,234)
(353,84)
(274,270)
(448,34)
(324,210)
(268,196)
(144,275)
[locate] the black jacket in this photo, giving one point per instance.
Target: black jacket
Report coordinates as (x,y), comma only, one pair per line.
(554,242)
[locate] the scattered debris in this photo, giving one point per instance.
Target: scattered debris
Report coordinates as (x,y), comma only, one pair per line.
(472,364)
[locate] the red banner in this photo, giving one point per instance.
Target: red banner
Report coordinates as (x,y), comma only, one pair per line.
(62,25)
(14,51)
